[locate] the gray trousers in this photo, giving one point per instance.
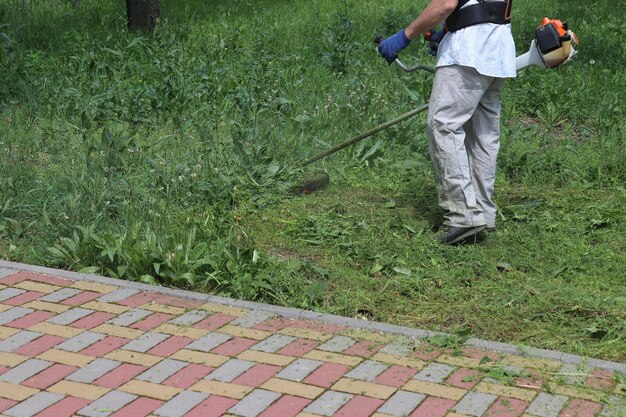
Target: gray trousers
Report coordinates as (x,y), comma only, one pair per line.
(463,128)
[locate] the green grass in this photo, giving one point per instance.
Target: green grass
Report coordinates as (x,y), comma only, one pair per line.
(170,158)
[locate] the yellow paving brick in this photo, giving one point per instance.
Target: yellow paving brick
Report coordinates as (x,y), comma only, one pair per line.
(368,389)
(292,388)
(224,389)
(46,306)
(307,415)
(11,359)
(323,356)
(584,393)
(148,389)
(245,332)
(119,331)
(436,390)
(527,362)
(306,334)
(263,357)
(136,358)
(505,391)
(361,334)
(186,331)
(160,308)
(66,358)
(4,307)
(462,361)
(78,389)
(55,329)
(37,286)
(620,389)
(16,392)
(7,332)
(105,307)
(224,309)
(201,358)
(399,360)
(94,286)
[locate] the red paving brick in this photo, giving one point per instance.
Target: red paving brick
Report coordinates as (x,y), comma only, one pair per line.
(395,376)
(104,346)
(214,321)
(30,319)
(64,408)
(317,326)
(188,376)
(81,298)
(364,348)
(31,276)
(170,346)
(433,407)
(92,320)
(326,375)
(214,406)
(581,408)
(273,325)
(152,321)
(4,370)
(600,379)
(299,347)
(257,375)
(507,407)
(139,299)
(120,375)
(40,345)
(50,376)
(141,407)
(359,406)
(23,298)
(177,302)
(286,406)
(234,346)
(6,404)
(464,378)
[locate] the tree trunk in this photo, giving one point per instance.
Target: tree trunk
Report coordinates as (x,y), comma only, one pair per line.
(143,14)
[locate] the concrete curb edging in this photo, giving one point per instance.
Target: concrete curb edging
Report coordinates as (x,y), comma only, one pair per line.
(6,268)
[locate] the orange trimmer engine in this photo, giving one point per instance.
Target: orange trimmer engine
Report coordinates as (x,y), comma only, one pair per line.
(554,41)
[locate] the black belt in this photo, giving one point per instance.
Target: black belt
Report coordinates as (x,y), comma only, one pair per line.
(498,12)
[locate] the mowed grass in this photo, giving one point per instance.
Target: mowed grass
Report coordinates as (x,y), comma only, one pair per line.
(171,158)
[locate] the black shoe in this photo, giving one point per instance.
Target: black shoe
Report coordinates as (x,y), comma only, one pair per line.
(490,229)
(458,234)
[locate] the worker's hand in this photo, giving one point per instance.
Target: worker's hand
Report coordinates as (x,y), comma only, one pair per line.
(434,39)
(392,45)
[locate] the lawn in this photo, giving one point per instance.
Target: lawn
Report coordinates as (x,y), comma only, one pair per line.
(172,158)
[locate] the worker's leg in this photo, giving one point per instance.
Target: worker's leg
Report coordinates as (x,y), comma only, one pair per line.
(483,144)
(457,92)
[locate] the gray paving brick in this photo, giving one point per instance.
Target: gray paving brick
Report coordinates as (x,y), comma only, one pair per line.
(402,346)
(254,403)
(14,314)
(252,318)
(107,404)
(80,341)
(475,403)
(328,403)
(59,295)
(8,293)
(401,404)
(367,371)
(547,405)
(70,316)
(230,370)
(181,404)
(572,375)
(208,342)
(130,317)
(93,370)
(25,370)
(434,372)
(162,370)
(300,369)
(145,342)
(614,407)
(190,318)
(118,295)
(34,404)
(273,343)
(337,344)
(18,339)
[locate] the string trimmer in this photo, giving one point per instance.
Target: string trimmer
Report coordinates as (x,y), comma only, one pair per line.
(553,46)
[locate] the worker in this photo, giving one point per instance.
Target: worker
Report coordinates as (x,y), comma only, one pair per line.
(463,126)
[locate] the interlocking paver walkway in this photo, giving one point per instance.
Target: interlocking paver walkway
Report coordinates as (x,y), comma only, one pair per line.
(79,345)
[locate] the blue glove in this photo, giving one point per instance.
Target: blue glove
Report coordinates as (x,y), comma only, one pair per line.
(435,38)
(392,45)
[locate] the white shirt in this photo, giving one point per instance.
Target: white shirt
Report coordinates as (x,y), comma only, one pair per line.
(487,47)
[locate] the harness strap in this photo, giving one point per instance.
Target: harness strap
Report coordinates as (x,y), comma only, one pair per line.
(498,12)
